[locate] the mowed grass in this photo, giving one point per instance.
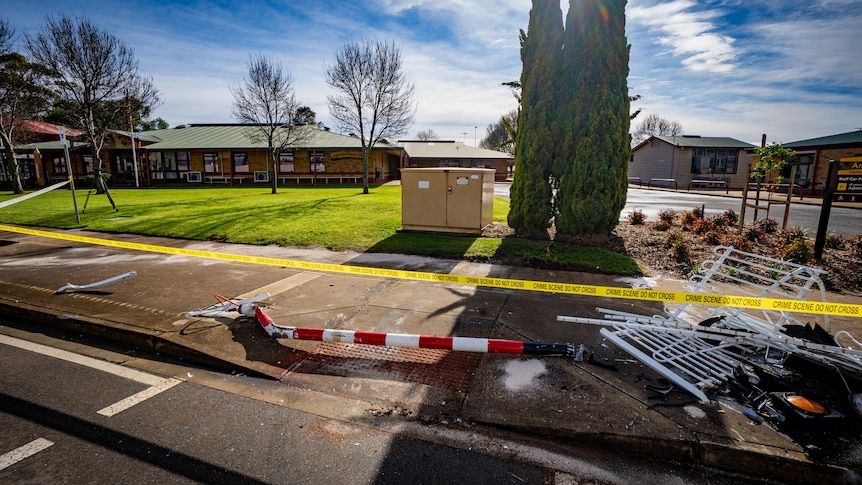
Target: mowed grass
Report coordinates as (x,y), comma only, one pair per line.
(336,218)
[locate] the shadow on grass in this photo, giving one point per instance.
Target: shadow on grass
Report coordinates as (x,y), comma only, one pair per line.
(593,256)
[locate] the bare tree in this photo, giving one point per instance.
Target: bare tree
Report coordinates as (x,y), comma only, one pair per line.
(267,102)
(374,97)
(500,135)
(96,73)
(655,125)
(7,34)
(23,96)
(427,135)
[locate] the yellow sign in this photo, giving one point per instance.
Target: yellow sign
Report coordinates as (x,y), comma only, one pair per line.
(343,154)
(823,308)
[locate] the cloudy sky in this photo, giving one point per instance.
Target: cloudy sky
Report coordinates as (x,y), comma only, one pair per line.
(738,68)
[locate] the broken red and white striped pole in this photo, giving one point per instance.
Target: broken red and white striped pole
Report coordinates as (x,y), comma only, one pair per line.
(464,344)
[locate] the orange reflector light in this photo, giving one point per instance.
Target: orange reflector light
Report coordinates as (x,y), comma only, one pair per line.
(805,404)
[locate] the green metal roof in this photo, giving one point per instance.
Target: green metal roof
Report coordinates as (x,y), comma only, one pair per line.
(235,137)
(44,145)
(450,150)
(849,138)
(704,141)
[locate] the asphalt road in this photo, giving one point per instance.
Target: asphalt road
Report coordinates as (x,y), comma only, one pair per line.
(844,221)
(72,412)
(52,412)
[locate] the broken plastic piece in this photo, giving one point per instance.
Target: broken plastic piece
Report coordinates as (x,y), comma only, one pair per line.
(108,281)
(246,306)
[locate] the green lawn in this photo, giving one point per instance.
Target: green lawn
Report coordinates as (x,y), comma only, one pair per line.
(336,218)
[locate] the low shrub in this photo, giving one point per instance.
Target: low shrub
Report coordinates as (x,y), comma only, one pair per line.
(790,235)
(855,244)
(712,237)
(702,226)
(662,225)
(769,226)
(686,219)
(667,215)
(730,217)
(798,251)
(672,238)
(740,242)
(753,234)
(835,241)
(637,217)
(681,253)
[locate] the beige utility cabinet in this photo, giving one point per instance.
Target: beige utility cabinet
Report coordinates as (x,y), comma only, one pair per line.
(447,199)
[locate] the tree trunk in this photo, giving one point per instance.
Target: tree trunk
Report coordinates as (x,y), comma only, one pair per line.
(274,172)
(14,170)
(364,170)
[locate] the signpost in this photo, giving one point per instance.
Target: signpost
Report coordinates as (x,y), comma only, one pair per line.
(849,179)
(69,171)
(844,183)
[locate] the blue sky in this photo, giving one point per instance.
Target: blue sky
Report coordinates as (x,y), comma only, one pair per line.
(790,69)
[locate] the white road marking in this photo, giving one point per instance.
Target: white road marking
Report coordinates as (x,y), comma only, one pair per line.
(23,452)
(157,384)
(282,285)
(130,401)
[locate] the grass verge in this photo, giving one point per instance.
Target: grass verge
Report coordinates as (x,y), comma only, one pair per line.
(337,218)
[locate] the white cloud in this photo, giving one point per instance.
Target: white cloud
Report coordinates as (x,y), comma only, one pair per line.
(689,34)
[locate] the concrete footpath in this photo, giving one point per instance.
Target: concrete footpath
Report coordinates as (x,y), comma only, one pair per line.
(602,403)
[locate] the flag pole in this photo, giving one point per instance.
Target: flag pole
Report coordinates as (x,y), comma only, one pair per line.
(132,135)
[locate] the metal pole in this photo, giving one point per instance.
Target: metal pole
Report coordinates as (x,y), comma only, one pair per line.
(825,209)
(463,344)
(69,171)
(134,157)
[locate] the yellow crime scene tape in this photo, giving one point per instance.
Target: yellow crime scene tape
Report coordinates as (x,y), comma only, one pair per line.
(777,304)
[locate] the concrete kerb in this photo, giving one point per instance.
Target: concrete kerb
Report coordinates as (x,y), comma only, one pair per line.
(139,337)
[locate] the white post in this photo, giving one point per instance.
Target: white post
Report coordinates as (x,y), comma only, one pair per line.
(69,171)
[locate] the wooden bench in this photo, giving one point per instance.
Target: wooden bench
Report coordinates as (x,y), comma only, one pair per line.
(223,178)
(325,178)
(710,183)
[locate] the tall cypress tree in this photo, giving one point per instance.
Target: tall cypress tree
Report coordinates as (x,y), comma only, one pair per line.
(530,206)
(594,116)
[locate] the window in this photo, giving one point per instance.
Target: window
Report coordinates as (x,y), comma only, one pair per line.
(802,164)
(169,161)
(183,161)
(317,164)
(240,162)
(211,163)
(156,168)
(58,165)
(708,161)
(285,162)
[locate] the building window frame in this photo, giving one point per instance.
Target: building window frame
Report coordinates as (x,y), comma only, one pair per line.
(317,162)
(211,162)
(286,162)
(240,162)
